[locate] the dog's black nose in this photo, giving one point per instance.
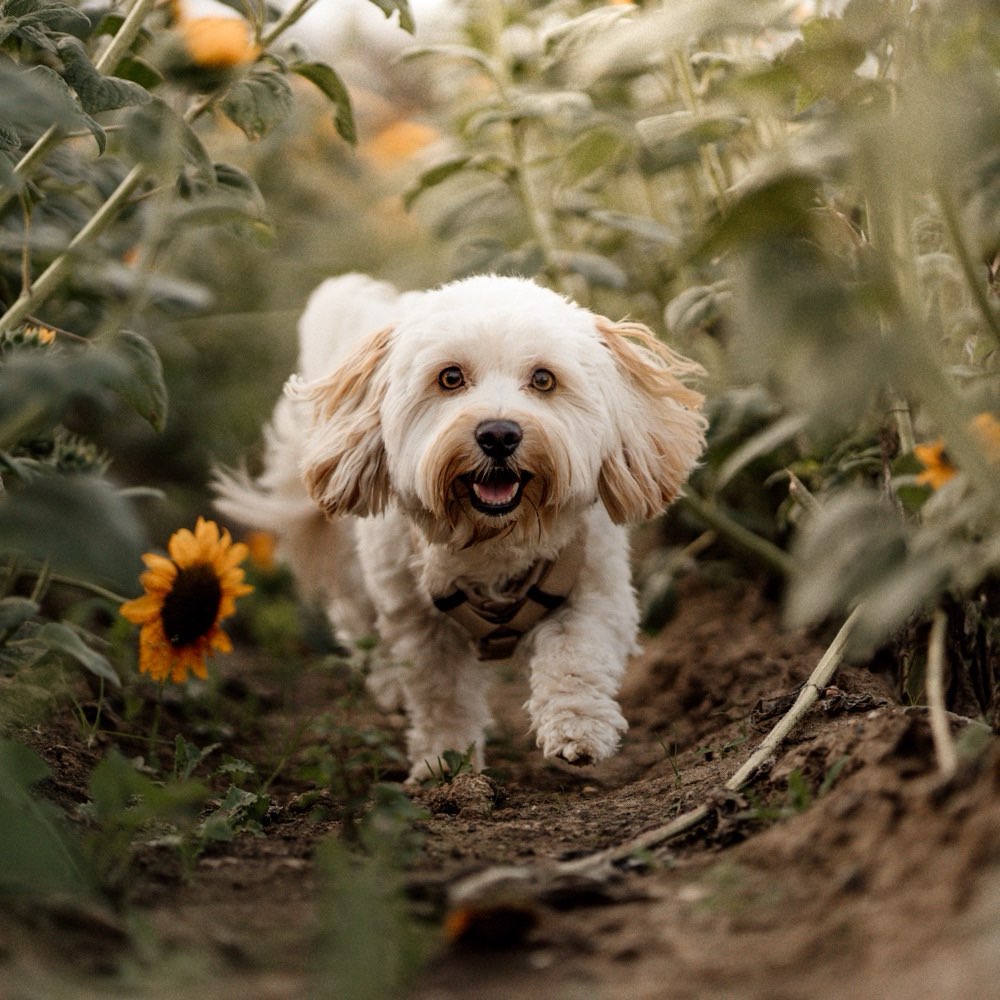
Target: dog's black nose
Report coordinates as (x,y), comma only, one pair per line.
(498,438)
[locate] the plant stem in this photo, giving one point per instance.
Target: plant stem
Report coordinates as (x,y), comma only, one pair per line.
(52,276)
(285,22)
(819,679)
(767,553)
(967,264)
(125,36)
(944,745)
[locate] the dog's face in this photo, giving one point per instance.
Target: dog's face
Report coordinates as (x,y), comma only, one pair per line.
(494,406)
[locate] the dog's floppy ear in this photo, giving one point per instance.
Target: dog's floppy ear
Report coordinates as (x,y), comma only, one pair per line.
(660,429)
(344,462)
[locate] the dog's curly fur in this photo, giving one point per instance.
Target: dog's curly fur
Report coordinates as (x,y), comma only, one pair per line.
(454,439)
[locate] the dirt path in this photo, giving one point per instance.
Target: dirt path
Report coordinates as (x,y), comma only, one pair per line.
(850,869)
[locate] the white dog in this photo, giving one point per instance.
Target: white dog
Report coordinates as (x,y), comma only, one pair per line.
(452,470)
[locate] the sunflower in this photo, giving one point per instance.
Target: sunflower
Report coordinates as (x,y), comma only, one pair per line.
(938,469)
(187,597)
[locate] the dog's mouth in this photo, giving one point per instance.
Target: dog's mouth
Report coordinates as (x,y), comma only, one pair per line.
(496,492)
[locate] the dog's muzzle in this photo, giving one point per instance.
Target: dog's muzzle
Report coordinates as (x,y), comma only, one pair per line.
(497,490)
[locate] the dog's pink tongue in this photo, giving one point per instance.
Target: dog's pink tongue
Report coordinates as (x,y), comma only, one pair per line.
(495,493)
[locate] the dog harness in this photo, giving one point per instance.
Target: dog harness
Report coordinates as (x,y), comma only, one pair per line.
(496,626)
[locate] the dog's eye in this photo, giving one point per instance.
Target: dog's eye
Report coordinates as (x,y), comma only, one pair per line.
(543,380)
(451,378)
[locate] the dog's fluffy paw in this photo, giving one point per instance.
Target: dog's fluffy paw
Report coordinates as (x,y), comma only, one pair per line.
(580,740)
(385,685)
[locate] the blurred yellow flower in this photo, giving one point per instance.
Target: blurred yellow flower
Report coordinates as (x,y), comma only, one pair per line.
(39,333)
(938,468)
(187,597)
(397,142)
(261,545)
(986,427)
(219,42)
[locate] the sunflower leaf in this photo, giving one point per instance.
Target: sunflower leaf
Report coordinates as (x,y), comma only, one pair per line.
(15,611)
(402,7)
(143,387)
(258,102)
(434,176)
(39,855)
(79,524)
(96,92)
(334,89)
(61,638)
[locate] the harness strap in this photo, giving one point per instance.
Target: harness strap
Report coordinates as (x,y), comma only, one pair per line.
(496,627)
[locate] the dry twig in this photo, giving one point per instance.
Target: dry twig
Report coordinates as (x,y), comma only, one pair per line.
(811,690)
(944,745)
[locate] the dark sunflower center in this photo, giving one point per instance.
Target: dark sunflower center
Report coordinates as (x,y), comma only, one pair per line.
(191,607)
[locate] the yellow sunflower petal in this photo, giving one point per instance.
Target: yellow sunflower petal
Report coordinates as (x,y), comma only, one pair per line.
(221,642)
(159,564)
(233,556)
(183,547)
(154,652)
(142,609)
(207,532)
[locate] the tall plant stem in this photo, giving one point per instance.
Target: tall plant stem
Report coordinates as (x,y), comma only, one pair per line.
(770,555)
(974,281)
(47,282)
(286,20)
(944,745)
(125,36)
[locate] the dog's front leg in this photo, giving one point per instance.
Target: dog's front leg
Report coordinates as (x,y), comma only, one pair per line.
(445,692)
(577,662)
(574,684)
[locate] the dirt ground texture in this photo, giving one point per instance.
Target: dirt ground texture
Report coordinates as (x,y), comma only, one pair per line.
(850,869)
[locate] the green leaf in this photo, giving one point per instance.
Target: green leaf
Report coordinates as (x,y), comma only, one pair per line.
(36,390)
(335,90)
(673,139)
(596,150)
(259,102)
(155,134)
(400,7)
(848,550)
(778,208)
(462,52)
(637,225)
(600,271)
(436,175)
(38,853)
(15,611)
(142,384)
(79,524)
(239,183)
(61,638)
(38,98)
(770,439)
(96,92)
(139,71)
(188,756)
(697,308)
